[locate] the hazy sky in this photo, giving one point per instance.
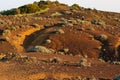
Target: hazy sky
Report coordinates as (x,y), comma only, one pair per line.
(107,5)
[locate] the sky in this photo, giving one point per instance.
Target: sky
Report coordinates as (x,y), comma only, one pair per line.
(105,5)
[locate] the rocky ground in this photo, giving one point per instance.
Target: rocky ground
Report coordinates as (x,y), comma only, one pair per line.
(60,45)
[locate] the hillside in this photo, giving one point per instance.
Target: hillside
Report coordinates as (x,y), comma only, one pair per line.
(54,41)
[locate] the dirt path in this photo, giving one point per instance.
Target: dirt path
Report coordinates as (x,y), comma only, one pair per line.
(18,39)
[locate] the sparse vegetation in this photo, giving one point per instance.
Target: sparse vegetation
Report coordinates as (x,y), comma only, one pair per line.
(75,6)
(30,8)
(36,7)
(11,12)
(47,40)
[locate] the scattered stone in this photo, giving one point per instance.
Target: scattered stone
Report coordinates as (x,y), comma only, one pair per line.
(91,37)
(68,12)
(116,78)
(75,78)
(97,22)
(6,32)
(23,58)
(63,51)
(4,38)
(72,21)
(26,19)
(55,14)
(13,28)
(19,35)
(61,23)
(116,19)
(116,62)
(28,26)
(66,50)
(47,26)
(7,57)
(41,49)
(103,50)
(103,79)
(63,19)
(59,31)
(35,25)
(17,27)
(84,62)
(89,79)
(60,52)
(102,37)
(55,60)
(79,20)
(22,26)
(81,29)
(91,29)
(110,44)
(2,56)
(83,18)
(101,60)
(2,22)
(68,24)
(48,41)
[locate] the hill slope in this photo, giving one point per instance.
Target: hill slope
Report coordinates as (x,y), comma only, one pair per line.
(68,41)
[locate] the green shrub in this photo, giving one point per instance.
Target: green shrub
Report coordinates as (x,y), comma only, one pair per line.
(30,8)
(11,12)
(75,6)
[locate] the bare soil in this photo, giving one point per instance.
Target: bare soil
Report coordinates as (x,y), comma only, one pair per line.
(81,39)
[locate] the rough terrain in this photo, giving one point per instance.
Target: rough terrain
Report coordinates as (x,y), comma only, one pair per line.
(60,45)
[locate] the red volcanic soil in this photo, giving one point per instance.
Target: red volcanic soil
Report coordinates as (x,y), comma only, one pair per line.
(6,47)
(61,47)
(66,68)
(78,41)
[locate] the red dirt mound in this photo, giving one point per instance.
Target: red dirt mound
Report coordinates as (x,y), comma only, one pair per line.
(6,47)
(78,42)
